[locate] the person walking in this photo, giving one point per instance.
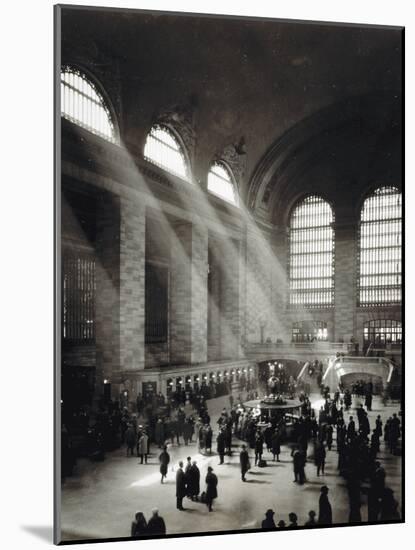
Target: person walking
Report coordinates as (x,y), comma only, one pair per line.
(244,462)
(211,488)
(180,487)
(325,516)
(142,447)
(156,524)
(139,525)
(164,460)
(220,445)
(320,457)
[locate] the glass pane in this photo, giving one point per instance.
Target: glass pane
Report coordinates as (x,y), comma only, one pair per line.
(312,254)
(83,105)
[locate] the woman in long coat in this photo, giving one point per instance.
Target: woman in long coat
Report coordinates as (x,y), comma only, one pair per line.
(164,460)
(211,488)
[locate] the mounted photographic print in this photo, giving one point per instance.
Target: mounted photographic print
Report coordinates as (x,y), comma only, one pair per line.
(229,310)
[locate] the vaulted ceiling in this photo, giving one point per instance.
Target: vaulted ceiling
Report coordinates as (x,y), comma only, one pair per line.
(283,86)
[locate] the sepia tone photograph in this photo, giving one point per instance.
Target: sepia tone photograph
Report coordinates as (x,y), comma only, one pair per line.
(229,304)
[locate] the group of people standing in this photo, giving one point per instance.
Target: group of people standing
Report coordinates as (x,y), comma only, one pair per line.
(325,516)
(188,485)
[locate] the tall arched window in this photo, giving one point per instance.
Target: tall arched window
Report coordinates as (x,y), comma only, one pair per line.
(381,248)
(164,149)
(83,104)
(311,263)
(221,183)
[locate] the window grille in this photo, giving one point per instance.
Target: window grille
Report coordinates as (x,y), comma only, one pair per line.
(83,104)
(381,332)
(309,331)
(311,259)
(156,303)
(163,148)
(220,183)
(380,248)
(78,274)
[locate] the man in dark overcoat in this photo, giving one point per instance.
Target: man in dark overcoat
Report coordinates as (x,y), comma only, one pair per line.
(211,488)
(180,486)
(220,445)
(244,462)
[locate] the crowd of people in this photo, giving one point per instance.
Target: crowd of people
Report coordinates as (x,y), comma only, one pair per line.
(325,515)
(183,420)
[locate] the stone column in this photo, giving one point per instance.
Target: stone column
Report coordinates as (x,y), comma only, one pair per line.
(345,281)
(120,290)
(132,285)
(188,310)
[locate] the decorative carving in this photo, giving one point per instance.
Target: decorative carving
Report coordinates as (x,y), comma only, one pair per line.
(234,155)
(181,118)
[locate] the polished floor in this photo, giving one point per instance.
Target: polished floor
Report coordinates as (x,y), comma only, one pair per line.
(100,500)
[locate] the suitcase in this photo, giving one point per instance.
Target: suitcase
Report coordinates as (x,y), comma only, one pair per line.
(262,463)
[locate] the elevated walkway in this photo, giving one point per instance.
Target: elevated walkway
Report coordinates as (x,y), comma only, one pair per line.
(366,368)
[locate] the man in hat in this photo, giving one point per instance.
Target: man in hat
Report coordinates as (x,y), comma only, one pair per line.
(268,522)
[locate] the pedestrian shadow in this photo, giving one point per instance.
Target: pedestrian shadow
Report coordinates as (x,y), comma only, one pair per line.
(260,473)
(257,481)
(310,486)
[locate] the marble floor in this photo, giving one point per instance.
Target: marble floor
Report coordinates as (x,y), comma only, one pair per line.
(100,500)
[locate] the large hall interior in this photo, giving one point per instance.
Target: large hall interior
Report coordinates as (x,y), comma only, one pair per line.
(230,257)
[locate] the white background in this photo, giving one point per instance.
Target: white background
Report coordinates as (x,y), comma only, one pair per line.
(26,305)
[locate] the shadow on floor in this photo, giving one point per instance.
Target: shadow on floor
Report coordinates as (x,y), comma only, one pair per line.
(257,481)
(42,532)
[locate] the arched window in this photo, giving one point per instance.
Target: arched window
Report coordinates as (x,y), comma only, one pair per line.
(83,104)
(220,183)
(311,263)
(380,248)
(164,149)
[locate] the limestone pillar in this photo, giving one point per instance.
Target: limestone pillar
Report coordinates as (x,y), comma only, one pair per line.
(120,290)
(345,289)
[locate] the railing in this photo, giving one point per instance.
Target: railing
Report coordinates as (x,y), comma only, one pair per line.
(303,346)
